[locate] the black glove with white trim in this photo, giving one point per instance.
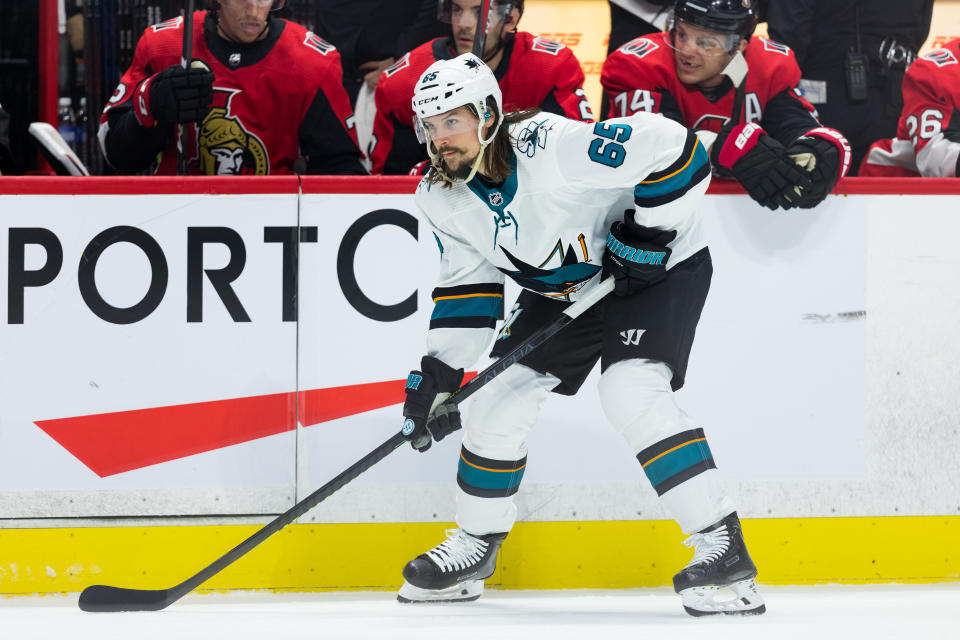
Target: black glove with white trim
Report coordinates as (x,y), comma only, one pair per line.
(427,418)
(825,154)
(761,165)
(636,256)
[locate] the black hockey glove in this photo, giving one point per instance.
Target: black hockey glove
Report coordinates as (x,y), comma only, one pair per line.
(174,95)
(761,165)
(636,256)
(427,418)
(826,160)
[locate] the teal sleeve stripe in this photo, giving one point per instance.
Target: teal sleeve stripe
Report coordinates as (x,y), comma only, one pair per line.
(483,479)
(678,181)
(677,461)
(481,306)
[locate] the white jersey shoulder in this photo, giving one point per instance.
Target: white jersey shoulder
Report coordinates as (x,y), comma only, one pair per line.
(545,226)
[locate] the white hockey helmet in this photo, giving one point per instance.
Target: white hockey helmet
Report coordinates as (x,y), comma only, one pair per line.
(449,84)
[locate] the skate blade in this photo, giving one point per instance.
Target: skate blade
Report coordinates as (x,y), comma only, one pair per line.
(464,592)
(740,598)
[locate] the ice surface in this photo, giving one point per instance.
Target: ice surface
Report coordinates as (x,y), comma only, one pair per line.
(923,612)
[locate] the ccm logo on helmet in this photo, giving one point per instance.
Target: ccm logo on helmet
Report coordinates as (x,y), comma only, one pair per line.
(420,103)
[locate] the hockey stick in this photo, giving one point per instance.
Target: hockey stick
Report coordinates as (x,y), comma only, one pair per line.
(104,598)
(480,35)
(187,54)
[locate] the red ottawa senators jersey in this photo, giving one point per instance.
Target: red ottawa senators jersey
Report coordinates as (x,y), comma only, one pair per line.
(534,72)
(641,76)
(274,100)
(928,134)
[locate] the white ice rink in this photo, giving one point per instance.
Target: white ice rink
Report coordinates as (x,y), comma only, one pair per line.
(905,612)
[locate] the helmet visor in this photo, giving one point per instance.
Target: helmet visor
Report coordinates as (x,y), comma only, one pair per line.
(451,11)
(689,38)
(445,125)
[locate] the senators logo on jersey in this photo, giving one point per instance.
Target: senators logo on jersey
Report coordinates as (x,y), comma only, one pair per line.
(639,47)
(225,147)
(941,57)
(318,44)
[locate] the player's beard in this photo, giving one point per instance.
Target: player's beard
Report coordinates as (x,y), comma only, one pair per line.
(462,170)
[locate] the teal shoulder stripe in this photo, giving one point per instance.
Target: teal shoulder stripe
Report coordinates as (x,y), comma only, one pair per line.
(468,307)
(678,181)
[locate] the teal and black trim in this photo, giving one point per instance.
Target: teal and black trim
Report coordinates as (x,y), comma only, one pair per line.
(662,187)
(676,459)
(467,306)
(488,478)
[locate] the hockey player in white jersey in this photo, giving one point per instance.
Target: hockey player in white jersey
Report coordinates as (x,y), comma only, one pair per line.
(555,204)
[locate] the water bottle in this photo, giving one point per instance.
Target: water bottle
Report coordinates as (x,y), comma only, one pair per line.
(67,123)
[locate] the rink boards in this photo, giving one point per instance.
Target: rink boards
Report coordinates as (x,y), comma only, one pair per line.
(220,348)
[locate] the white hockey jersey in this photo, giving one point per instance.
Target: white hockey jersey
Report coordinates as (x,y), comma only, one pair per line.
(546,225)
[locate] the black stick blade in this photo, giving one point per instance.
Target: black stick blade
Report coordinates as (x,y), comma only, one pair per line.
(100,597)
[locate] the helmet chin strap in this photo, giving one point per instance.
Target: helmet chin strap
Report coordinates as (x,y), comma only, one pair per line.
(435,161)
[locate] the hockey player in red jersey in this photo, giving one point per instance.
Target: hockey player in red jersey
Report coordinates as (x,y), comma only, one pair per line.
(531,71)
(927,142)
(260,92)
(711,74)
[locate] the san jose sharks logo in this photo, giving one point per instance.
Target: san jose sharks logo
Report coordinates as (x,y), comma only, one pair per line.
(557,282)
(533,137)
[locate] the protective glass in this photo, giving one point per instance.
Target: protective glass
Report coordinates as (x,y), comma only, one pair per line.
(444,125)
(452,10)
(690,38)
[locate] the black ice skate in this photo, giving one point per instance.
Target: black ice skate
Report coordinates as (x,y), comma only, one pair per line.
(453,571)
(720,578)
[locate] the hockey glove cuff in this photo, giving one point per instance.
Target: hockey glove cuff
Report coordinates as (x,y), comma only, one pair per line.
(761,165)
(426,389)
(636,256)
(174,95)
(825,154)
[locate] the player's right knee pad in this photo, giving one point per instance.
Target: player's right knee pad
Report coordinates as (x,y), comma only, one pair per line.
(504,411)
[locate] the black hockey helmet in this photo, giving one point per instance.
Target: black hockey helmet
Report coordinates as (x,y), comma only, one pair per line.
(732,17)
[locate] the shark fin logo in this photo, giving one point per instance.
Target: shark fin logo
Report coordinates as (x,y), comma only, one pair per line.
(558,276)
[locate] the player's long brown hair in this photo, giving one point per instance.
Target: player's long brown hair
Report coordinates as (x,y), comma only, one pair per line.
(498,156)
